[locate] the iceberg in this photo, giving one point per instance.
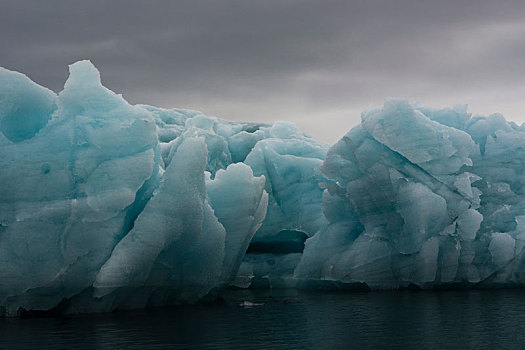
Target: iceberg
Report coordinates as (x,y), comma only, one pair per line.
(424,198)
(105,205)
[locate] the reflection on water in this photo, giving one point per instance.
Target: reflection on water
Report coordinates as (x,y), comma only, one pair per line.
(293,320)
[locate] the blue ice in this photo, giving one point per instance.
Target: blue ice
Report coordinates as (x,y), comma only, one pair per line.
(105,205)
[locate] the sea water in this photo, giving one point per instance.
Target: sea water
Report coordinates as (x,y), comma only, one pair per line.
(291,319)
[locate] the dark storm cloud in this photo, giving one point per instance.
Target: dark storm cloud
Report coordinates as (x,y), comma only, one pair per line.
(318,63)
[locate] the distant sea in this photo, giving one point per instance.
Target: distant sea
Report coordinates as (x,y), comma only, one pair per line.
(290,319)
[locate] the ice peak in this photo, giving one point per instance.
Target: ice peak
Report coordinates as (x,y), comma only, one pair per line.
(83,73)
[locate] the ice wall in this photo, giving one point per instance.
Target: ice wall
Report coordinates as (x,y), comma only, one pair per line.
(422,197)
(105,205)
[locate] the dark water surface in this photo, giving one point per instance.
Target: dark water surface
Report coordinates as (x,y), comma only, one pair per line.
(294,320)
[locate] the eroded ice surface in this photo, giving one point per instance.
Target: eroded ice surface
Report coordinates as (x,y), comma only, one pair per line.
(424,197)
(104,205)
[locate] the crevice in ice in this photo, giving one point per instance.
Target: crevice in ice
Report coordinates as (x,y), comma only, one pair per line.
(482,144)
(285,242)
(269,180)
(142,197)
(251,128)
(270,170)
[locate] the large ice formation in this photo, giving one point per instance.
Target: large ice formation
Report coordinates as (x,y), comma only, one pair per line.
(105,206)
(422,197)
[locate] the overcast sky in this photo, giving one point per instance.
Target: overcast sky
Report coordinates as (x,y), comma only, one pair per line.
(316,63)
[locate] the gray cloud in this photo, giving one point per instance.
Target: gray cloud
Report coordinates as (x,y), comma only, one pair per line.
(317,63)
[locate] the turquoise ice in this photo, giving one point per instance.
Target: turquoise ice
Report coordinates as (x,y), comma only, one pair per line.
(105,205)
(131,206)
(422,197)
